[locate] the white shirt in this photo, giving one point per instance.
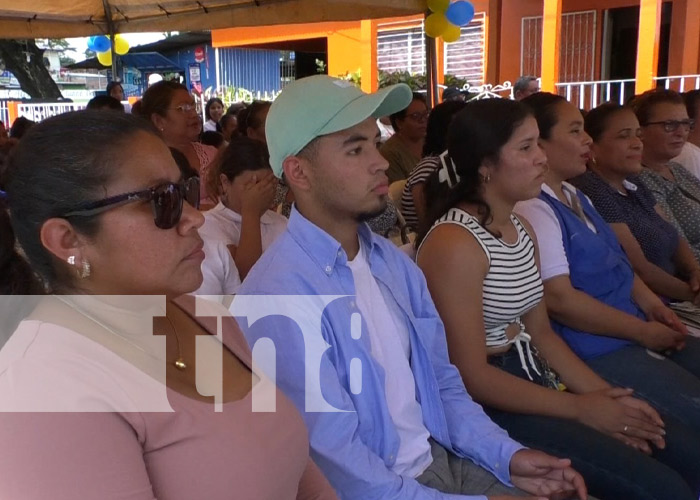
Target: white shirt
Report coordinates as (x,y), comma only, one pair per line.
(539,214)
(218,270)
(224,225)
(391,348)
(210,126)
(690,158)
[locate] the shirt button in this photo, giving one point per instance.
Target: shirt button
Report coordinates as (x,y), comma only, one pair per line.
(328,269)
(497,466)
(352,304)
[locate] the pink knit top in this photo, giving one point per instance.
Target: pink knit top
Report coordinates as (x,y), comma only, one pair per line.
(113,449)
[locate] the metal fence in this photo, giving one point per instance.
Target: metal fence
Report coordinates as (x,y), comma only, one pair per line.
(41,111)
(5,113)
(590,94)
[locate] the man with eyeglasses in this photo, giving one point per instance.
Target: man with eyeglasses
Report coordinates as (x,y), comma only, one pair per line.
(690,155)
(404,149)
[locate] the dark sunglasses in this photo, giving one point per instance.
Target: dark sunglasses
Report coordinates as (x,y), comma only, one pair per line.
(166,199)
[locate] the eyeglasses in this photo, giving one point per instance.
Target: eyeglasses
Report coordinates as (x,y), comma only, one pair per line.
(419,116)
(672,125)
(166,199)
(185,108)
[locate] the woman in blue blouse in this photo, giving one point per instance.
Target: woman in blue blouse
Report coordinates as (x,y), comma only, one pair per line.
(660,256)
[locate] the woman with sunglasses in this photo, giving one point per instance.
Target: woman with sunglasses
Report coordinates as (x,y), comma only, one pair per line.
(92,403)
(480,263)
(665,127)
(660,256)
(172,110)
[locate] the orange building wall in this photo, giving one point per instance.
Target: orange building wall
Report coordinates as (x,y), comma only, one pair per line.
(684,53)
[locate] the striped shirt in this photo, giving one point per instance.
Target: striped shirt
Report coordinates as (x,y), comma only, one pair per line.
(512,285)
(419,175)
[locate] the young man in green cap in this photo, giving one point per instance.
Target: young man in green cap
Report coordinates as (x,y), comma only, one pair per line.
(391,418)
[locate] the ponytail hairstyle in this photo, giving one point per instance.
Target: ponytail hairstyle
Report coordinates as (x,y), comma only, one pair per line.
(438,124)
(544,108)
(476,136)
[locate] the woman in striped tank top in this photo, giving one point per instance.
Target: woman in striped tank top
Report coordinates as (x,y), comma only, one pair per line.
(481,264)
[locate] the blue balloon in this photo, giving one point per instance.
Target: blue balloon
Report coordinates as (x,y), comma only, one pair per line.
(101,44)
(91,43)
(460,13)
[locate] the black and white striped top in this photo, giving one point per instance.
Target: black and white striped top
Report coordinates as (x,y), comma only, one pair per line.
(512,285)
(419,175)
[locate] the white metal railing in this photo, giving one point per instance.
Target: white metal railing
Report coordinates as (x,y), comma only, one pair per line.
(5,114)
(41,111)
(588,95)
(680,83)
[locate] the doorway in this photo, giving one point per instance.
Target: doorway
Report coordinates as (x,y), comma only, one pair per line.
(620,33)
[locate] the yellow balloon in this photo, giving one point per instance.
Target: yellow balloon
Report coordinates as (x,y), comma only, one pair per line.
(451,33)
(121,46)
(105,58)
(435,24)
(438,5)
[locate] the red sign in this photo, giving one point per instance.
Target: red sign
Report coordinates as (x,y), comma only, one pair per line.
(199,54)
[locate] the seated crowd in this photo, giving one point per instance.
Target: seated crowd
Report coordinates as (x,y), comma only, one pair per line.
(529,343)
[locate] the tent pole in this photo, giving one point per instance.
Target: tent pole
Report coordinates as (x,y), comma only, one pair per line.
(431,72)
(110,27)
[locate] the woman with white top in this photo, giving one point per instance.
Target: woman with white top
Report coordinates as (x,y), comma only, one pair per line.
(243,219)
(480,262)
(597,304)
(213,111)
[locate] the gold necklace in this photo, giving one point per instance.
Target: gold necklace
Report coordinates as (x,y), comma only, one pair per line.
(179,363)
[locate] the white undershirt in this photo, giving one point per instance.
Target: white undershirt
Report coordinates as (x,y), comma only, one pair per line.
(219,272)
(391,348)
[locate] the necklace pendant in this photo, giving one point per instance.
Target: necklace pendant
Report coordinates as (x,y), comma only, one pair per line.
(180,364)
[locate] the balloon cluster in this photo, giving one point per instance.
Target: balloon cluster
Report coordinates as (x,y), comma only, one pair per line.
(103,47)
(447,19)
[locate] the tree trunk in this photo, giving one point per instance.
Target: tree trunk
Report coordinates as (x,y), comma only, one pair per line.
(33,76)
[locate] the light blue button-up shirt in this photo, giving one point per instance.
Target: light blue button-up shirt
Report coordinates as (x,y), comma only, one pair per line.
(357,446)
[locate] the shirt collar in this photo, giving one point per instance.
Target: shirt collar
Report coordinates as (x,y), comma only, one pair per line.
(629,186)
(549,191)
(323,249)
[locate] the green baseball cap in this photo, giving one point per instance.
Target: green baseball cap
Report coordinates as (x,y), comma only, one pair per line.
(320,105)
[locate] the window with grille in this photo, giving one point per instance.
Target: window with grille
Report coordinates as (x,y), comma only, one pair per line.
(466,57)
(402,48)
(577,53)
